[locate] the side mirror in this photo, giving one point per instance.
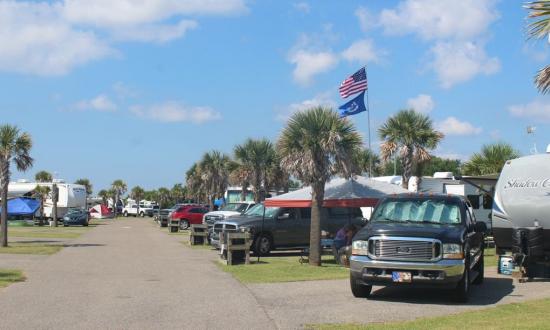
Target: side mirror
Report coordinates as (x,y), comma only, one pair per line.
(284,216)
(480,227)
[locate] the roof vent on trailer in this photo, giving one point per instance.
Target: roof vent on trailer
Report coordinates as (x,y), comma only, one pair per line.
(443,175)
(548,149)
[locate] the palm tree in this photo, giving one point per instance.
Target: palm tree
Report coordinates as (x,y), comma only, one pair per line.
(137,194)
(490,160)
(104,194)
(88,186)
(539,29)
(119,187)
(314,146)
(411,134)
(240,176)
(42,191)
(193,181)
(14,146)
(214,169)
(257,156)
(178,192)
(366,161)
(164,196)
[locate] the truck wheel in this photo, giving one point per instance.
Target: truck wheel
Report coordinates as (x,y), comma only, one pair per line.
(359,290)
(262,245)
(125,213)
(184,224)
(463,287)
(480,269)
(141,214)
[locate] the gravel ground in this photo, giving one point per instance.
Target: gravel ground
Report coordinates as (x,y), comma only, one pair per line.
(131,275)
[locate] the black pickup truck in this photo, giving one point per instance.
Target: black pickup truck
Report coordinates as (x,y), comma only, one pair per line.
(415,240)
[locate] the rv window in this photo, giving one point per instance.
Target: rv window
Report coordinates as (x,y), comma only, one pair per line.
(474,200)
(305,213)
(338,211)
(487,202)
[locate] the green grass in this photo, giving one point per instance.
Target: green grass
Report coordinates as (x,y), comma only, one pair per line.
(30,248)
(9,276)
(285,269)
(491,259)
(528,315)
(48,232)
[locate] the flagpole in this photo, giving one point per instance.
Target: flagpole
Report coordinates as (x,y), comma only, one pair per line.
(368,123)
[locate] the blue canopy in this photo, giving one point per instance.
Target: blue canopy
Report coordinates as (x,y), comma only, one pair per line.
(22,206)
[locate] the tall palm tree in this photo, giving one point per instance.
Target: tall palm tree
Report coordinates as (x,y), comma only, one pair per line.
(540,29)
(490,160)
(119,187)
(194,182)
(88,186)
(15,146)
(240,176)
(178,192)
(315,145)
(42,191)
(257,156)
(412,135)
(137,194)
(104,194)
(214,169)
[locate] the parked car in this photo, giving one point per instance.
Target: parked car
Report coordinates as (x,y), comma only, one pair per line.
(76,217)
(419,240)
(188,215)
(230,209)
(283,228)
(162,215)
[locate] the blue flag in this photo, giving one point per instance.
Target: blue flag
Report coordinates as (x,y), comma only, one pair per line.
(354,106)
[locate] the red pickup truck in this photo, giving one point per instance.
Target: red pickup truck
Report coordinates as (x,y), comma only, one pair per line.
(189,215)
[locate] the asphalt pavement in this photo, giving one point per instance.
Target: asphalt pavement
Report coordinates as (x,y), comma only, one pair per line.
(128,274)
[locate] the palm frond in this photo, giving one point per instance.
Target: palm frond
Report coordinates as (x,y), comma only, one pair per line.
(542,80)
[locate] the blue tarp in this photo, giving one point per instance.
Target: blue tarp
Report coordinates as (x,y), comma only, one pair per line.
(22,206)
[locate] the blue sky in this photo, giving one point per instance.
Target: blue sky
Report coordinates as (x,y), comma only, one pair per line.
(139,90)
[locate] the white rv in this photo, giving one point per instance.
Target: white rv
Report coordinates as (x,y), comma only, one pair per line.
(476,189)
(70,195)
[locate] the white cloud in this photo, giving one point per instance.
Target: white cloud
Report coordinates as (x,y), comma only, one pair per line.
(171,112)
(303,6)
(453,126)
(537,110)
(451,155)
(52,38)
(310,63)
(123,91)
(422,103)
(34,40)
(322,99)
(457,62)
(436,19)
(362,51)
(366,19)
(99,103)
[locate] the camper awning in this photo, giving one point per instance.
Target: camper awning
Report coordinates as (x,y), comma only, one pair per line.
(340,192)
(22,206)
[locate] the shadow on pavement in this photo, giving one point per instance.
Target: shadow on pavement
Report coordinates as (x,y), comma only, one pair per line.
(82,245)
(36,241)
(490,292)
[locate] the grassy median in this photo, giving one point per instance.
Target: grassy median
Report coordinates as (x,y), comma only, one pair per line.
(31,248)
(48,232)
(528,315)
(9,276)
(285,269)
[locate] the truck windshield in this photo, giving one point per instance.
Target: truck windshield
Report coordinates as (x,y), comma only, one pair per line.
(237,207)
(418,211)
(258,210)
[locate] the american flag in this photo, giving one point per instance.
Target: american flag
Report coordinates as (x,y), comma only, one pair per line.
(354,84)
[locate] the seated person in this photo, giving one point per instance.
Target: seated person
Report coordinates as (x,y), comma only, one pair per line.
(342,241)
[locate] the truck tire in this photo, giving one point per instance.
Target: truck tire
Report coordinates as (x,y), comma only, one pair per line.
(141,214)
(125,214)
(462,289)
(359,290)
(262,245)
(184,224)
(480,269)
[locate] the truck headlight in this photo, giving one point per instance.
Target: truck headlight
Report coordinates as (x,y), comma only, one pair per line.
(360,248)
(452,251)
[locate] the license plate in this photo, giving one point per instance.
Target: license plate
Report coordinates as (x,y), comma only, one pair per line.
(402,277)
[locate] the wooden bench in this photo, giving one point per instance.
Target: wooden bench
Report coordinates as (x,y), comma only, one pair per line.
(235,242)
(173,225)
(198,232)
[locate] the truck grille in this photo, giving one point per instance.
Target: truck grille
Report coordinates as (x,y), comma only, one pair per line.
(219,227)
(408,249)
(210,219)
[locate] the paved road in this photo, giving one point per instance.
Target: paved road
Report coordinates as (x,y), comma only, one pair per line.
(131,275)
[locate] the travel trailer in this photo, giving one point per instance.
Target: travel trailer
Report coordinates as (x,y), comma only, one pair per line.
(70,195)
(521,213)
(478,191)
